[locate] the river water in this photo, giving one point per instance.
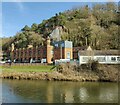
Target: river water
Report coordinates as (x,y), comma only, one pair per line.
(35,91)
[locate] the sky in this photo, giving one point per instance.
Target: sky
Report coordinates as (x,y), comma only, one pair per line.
(15,15)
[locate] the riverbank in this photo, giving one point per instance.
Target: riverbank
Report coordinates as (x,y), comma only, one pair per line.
(49,76)
(27,67)
(65,72)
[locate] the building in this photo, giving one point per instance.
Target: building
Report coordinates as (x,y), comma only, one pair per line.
(43,54)
(63,50)
(102,56)
(76,50)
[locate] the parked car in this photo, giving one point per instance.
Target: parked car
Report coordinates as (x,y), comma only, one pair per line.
(2,62)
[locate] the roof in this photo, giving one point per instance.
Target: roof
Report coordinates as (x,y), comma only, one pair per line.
(89,48)
(99,52)
(76,49)
(65,44)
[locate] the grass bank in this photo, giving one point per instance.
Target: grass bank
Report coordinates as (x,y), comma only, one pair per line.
(63,72)
(27,68)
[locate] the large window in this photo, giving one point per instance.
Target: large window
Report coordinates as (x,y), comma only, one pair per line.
(30,53)
(62,44)
(38,52)
(85,59)
(68,55)
(118,58)
(113,58)
(56,45)
(44,53)
(101,59)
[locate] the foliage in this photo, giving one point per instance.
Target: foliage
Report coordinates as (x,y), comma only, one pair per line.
(26,28)
(96,26)
(93,65)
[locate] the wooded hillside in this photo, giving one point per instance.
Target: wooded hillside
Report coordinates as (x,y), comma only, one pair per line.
(96,26)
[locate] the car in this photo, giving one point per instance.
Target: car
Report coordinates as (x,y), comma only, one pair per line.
(2,62)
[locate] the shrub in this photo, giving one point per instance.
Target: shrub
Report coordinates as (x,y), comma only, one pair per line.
(93,65)
(59,68)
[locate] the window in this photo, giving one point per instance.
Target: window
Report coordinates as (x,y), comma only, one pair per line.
(68,55)
(38,51)
(14,54)
(118,58)
(18,53)
(52,52)
(113,59)
(44,52)
(62,44)
(101,59)
(21,53)
(25,53)
(30,53)
(56,45)
(85,59)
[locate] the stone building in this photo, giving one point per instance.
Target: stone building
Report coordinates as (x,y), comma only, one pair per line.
(43,54)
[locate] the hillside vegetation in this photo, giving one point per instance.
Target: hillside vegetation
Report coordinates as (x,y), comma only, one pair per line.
(96,26)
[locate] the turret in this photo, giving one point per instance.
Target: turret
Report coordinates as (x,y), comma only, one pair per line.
(12,47)
(30,46)
(49,51)
(48,41)
(11,51)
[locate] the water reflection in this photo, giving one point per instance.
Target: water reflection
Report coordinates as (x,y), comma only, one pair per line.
(24,91)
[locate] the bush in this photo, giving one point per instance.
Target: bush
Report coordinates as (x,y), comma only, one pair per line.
(93,65)
(59,68)
(65,69)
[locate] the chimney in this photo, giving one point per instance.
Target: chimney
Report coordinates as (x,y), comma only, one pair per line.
(12,47)
(48,40)
(30,46)
(49,51)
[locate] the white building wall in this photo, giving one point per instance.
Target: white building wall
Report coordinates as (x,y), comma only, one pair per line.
(101,59)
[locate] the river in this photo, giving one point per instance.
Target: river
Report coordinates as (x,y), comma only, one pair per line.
(35,91)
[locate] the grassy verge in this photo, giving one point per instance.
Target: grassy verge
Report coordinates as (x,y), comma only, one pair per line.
(27,68)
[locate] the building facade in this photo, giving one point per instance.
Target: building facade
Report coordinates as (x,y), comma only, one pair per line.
(102,56)
(63,50)
(42,54)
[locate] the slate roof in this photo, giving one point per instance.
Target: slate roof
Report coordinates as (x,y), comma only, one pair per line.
(76,49)
(99,52)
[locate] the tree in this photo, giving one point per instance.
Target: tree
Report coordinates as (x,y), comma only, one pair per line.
(35,39)
(105,14)
(114,37)
(34,27)
(6,42)
(26,28)
(21,40)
